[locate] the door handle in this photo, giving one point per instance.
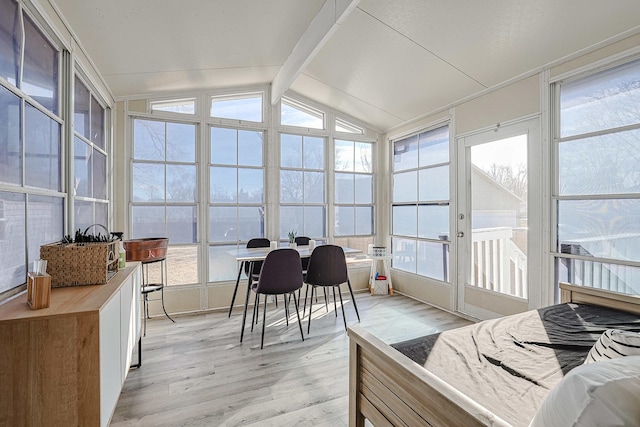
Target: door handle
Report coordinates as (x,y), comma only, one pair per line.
(460,234)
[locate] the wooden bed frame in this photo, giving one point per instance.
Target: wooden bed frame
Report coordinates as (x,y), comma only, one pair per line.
(389,389)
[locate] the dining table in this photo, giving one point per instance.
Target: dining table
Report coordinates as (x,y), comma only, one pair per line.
(243,255)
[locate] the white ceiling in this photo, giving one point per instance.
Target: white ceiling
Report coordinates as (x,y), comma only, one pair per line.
(388,62)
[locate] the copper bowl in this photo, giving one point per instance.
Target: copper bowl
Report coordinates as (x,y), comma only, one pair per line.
(146,250)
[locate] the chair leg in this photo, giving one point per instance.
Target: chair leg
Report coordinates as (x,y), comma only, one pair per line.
(304,308)
(256,305)
(310,310)
(335,307)
(353,298)
(286,308)
(298,316)
(235,290)
(264,321)
(246,305)
(343,316)
(326,299)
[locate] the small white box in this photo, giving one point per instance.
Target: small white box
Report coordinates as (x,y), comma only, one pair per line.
(380,287)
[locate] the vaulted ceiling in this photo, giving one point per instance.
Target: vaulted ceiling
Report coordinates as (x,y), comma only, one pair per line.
(383,62)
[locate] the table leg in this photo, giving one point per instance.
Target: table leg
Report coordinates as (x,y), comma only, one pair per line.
(235,291)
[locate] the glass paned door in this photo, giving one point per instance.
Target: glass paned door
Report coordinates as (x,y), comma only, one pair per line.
(493,223)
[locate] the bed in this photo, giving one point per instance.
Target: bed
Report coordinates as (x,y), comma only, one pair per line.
(439,380)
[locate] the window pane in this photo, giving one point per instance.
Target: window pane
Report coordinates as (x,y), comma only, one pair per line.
(40,75)
(434,147)
(148,140)
(81,105)
(45,223)
(606,164)
(405,153)
(405,220)
(238,107)
(293,113)
(223,224)
(605,100)
(433,222)
(345,221)
(290,151)
(10,136)
(182,106)
(313,221)
(363,157)
(223,185)
(404,254)
(181,183)
(405,187)
(344,188)
(182,265)
(600,228)
(612,277)
(181,224)
(13,265)
(83,215)
(10,38)
(42,150)
(344,155)
(250,222)
(314,187)
(434,184)
(148,221)
(222,266)
(82,167)
(250,185)
(101,213)
(313,153)
(364,220)
(99,175)
(364,189)
(433,260)
(249,148)
(148,182)
(291,219)
(291,186)
(181,142)
(224,146)
(97,123)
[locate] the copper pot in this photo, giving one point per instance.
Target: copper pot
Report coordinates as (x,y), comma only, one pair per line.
(146,250)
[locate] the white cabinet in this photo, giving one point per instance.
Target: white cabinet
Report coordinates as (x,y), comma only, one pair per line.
(66,364)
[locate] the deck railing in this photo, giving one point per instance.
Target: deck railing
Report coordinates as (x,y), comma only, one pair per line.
(499,264)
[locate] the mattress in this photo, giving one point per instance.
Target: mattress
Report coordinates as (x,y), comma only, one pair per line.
(509,364)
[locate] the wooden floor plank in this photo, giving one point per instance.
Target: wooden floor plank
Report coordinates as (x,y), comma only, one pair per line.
(196,373)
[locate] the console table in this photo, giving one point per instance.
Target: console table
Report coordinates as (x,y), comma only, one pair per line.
(65,365)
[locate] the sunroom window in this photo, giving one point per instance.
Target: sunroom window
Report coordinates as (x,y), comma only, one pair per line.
(597,193)
(295,113)
(346,127)
(180,106)
(246,106)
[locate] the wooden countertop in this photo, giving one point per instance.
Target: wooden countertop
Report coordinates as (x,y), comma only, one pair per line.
(66,301)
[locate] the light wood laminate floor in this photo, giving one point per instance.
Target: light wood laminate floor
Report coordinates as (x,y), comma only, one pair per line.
(196,373)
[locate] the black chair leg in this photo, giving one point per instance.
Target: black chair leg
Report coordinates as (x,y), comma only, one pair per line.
(298,316)
(264,321)
(343,316)
(353,298)
(244,316)
(335,308)
(235,290)
(286,308)
(310,310)
(304,308)
(256,305)
(326,299)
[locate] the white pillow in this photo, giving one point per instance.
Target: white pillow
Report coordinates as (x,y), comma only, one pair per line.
(614,343)
(600,394)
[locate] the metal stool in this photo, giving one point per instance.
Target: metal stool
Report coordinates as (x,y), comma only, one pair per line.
(148,288)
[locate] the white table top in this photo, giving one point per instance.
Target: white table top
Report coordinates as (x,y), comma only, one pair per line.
(259,254)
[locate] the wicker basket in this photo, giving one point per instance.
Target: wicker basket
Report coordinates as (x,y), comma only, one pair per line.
(77,264)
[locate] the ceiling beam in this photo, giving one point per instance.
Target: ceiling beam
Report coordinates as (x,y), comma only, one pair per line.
(324,24)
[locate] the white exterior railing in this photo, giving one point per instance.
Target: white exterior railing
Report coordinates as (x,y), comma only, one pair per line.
(498,264)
